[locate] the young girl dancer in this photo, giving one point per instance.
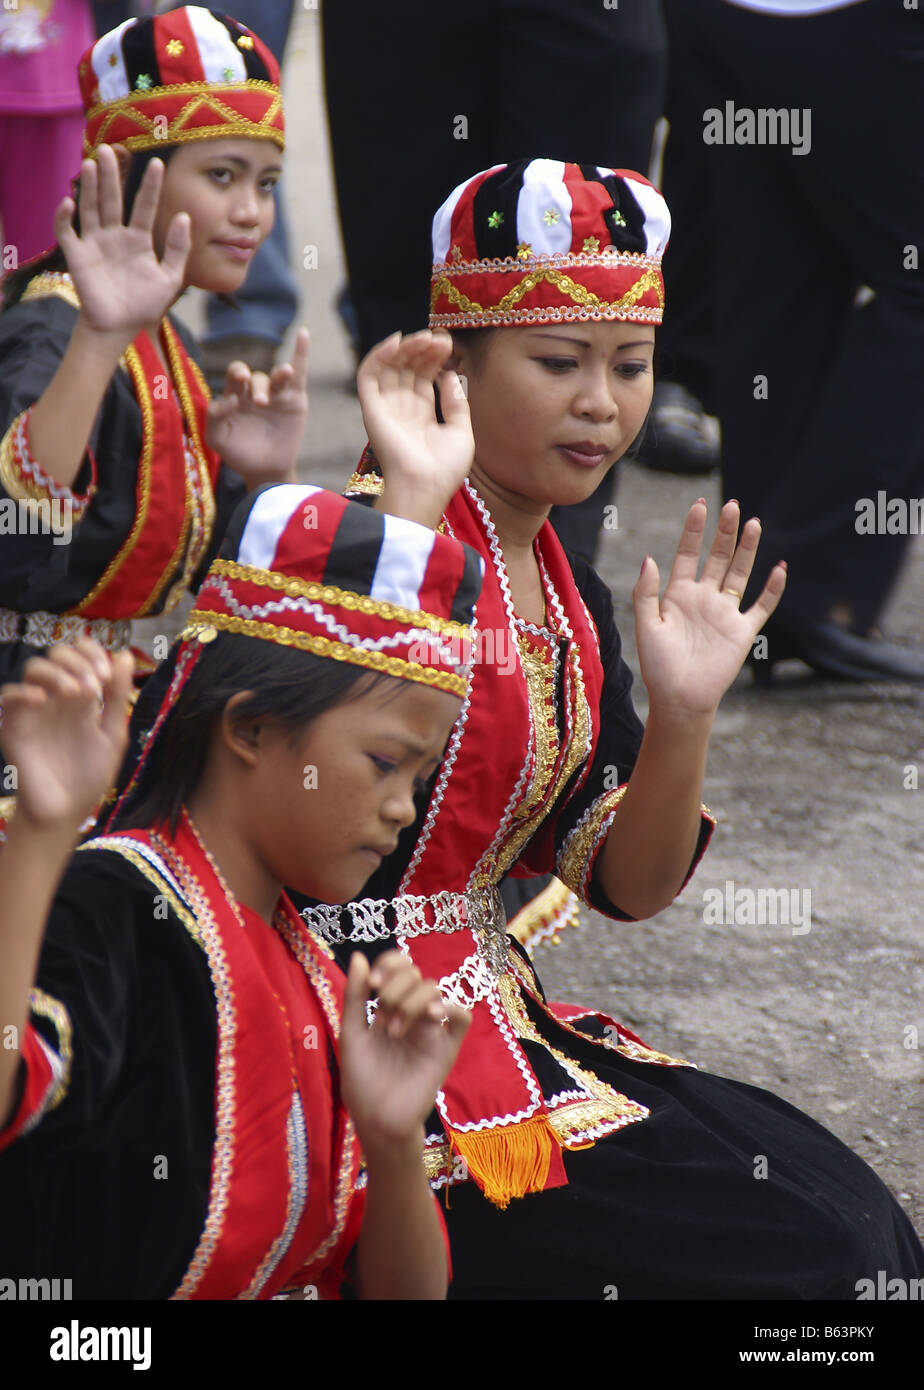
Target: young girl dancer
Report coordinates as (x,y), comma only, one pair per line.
(173,1102)
(118,471)
(584,1161)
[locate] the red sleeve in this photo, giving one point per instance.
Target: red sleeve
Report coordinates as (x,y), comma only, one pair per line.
(42,1069)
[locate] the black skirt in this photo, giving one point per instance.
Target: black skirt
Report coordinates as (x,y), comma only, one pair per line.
(723,1192)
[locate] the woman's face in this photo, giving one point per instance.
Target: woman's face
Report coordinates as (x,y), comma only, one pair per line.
(553,407)
(326,809)
(226,186)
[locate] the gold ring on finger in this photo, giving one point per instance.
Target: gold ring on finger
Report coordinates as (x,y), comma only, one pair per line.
(729,590)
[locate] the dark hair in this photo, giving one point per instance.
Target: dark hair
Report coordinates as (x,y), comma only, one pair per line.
(471,339)
(14,283)
(287,686)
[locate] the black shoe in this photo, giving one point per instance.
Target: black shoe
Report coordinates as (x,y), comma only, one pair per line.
(832,650)
(681,437)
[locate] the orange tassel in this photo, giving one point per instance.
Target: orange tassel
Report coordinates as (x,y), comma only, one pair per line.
(507,1160)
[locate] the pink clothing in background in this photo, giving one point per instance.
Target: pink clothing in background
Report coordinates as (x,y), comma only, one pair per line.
(41,43)
(41,118)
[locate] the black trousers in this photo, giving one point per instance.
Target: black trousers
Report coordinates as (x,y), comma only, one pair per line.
(422,94)
(820,401)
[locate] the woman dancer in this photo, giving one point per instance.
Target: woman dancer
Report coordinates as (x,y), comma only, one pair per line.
(119,474)
(584,1161)
(174,1097)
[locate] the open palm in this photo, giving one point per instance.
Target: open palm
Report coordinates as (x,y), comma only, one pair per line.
(122,283)
(395,383)
(257,426)
(65,729)
(693,640)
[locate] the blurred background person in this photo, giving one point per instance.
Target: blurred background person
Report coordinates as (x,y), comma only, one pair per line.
(817,380)
(465,88)
(251,327)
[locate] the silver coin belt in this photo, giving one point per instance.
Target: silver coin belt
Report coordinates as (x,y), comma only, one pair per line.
(417,915)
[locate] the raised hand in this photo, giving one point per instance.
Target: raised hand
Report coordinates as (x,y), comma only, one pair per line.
(423,462)
(693,640)
(391,1071)
(65,729)
(258,424)
(123,284)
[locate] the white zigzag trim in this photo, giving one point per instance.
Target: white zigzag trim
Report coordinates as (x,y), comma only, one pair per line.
(447,650)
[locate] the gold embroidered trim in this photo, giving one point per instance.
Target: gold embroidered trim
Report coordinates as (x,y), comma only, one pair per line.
(614,1106)
(540,797)
(545,915)
(578,847)
(148,871)
(370,484)
(330,595)
(436,1161)
(199,519)
(48,1007)
(203,95)
(19,488)
(147,450)
(23,486)
(579,294)
(575,1121)
(51,282)
(223,1147)
(638,1052)
(543,315)
(325,646)
(539,670)
(321,984)
(507,265)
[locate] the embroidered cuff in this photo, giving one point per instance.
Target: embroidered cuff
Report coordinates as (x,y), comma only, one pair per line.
(578,854)
(365,485)
(24,479)
(45,1078)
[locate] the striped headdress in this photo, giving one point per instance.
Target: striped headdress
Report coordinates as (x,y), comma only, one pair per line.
(542,241)
(308,569)
(189,74)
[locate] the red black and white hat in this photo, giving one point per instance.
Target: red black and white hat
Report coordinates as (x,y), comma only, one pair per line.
(542,241)
(189,74)
(309,569)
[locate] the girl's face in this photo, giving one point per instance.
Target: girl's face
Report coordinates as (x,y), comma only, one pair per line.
(553,407)
(226,186)
(327,809)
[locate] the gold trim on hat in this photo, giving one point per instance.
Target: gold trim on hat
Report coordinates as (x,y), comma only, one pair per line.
(580,294)
(341,598)
(179,130)
(324,646)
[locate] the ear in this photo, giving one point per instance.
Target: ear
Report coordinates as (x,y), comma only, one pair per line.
(245,738)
